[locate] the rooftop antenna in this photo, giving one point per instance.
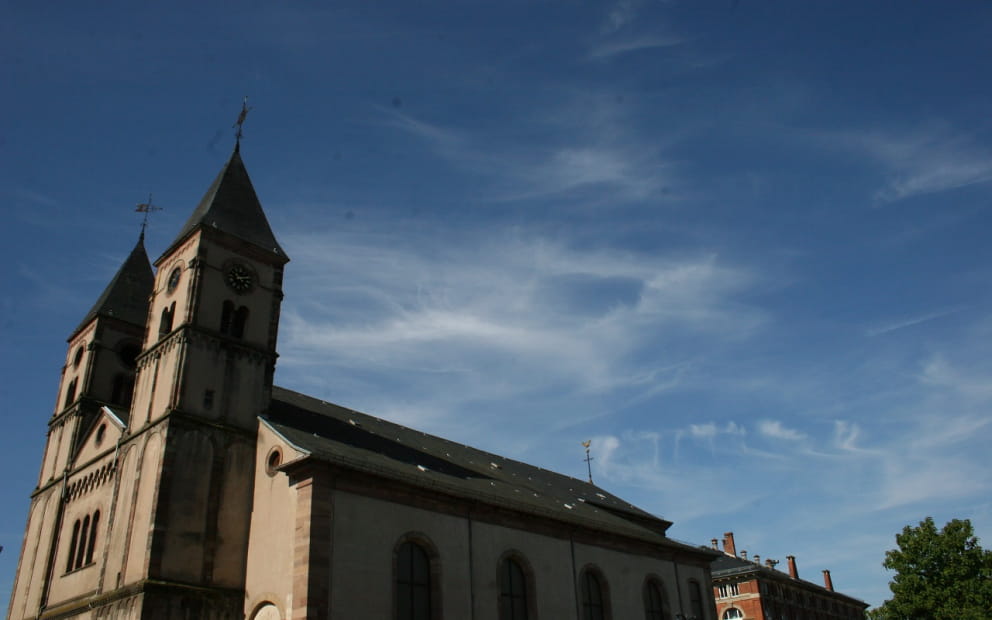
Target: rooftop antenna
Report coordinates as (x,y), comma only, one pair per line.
(241,121)
(146,208)
(589,458)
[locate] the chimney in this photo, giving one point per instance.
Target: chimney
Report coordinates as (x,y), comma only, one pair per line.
(728,544)
(792,566)
(743,554)
(713,543)
(757,559)
(828,583)
(770,563)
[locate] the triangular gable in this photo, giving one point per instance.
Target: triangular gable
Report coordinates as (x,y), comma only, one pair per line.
(105,431)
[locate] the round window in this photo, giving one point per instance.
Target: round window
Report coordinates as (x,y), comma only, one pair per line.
(273,461)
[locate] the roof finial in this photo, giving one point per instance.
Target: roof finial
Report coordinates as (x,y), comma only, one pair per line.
(588,459)
(146,208)
(241,121)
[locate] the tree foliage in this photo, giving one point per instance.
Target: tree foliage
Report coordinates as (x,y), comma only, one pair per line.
(939,574)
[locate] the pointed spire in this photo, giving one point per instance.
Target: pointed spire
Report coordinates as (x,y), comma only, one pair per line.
(231,206)
(126,297)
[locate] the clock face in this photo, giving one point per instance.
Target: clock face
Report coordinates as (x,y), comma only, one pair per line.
(174,279)
(240,278)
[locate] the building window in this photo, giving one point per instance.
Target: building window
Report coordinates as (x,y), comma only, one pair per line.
(734,589)
(70,393)
(512,591)
(82,544)
(122,389)
(655,603)
(413,582)
(240,320)
(594,597)
(732,614)
(233,322)
(696,600)
(165,325)
(70,563)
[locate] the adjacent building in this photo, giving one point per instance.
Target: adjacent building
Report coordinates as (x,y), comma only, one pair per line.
(746,589)
(178,482)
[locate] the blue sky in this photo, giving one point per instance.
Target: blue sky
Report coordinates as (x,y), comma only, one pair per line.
(740,245)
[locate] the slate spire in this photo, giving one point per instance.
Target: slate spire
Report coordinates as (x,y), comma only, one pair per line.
(231,206)
(126,297)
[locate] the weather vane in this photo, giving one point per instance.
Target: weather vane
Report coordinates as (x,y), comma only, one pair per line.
(241,118)
(146,208)
(589,458)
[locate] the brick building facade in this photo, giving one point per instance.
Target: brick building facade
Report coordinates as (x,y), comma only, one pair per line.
(746,589)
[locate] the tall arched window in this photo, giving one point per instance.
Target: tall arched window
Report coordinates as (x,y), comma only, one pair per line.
(165,325)
(732,614)
(413,582)
(512,591)
(226,316)
(240,320)
(70,563)
(123,389)
(655,603)
(696,600)
(92,541)
(594,598)
(84,533)
(70,393)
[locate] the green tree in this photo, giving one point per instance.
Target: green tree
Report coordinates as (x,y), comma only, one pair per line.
(939,575)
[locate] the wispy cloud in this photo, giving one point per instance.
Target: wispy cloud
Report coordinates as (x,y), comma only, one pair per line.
(926,161)
(621,13)
(613,47)
(543,315)
(589,150)
(776,430)
(898,324)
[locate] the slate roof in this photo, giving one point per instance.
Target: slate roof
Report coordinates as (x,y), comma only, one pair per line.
(232,206)
(358,441)
(126,297)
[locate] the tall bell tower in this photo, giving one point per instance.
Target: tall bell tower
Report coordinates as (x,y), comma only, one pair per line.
(204,376)
(144,502)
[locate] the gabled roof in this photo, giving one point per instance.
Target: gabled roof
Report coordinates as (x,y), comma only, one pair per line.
(231,205)
(126,297)
(357,441)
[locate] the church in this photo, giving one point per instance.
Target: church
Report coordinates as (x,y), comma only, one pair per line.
(178,482)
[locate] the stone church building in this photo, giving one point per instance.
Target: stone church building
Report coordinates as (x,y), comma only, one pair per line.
(178,482)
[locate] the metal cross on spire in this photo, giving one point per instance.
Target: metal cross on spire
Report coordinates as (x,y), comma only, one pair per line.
(241,119)
(146,208)
(589,458)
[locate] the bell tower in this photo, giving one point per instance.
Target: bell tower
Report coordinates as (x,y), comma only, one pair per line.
(204,375)
(59,557)
(144,501)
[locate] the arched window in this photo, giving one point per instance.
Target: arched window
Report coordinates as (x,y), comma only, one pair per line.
(413,582)
(732,614)
(512,591)
(594,598)
(123,389)
(70,393)
(92,541)
(84,533)
(165,325)
(240,320)
(696,600)
(226,317)
(655,603)
(70,563)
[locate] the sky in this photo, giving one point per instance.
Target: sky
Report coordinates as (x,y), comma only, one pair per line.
(740,245)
